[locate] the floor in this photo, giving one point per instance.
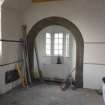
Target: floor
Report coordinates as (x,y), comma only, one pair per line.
(44,94)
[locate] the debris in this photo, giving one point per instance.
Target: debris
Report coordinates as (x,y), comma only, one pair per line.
(69,82)
(99,91)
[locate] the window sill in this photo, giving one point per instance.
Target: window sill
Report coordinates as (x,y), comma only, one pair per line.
(56,56)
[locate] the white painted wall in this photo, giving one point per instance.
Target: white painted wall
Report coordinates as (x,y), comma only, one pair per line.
(89,17)
(11,30)
(48,63)
(6,87)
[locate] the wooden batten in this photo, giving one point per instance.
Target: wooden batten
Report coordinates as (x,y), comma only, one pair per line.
(36,1)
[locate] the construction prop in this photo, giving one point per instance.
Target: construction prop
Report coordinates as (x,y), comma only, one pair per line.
(37,60)
(23,78)
(26,68)
(36,71)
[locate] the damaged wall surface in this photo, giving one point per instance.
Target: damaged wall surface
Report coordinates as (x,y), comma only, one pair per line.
(11,22)
(89,17)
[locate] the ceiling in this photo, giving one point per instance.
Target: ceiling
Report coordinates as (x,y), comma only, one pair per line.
(21,5)
(17,4)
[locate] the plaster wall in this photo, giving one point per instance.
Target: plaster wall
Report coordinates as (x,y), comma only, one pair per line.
(11,22)
(47,62)
(89,17)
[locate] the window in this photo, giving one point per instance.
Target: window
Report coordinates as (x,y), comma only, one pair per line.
(67,45)
(48,44)
(57,44)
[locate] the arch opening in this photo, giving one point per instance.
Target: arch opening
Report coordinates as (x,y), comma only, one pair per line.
(77,35)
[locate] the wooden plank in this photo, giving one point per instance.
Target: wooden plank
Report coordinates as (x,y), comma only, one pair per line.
(25,55)
(22,77)
(10,63)
(37,60)
(6,40)
(35,1)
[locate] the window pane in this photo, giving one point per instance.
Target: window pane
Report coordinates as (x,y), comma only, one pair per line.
(56,35)
(67,44)
(60,52)
(48,46)
(48,35)
(56,52)
(60,41)
(56,46)
(48,52)
(48,41)
(56,41)
(60,47)
(60,35)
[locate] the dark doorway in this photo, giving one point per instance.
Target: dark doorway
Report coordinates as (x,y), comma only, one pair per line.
(77,35)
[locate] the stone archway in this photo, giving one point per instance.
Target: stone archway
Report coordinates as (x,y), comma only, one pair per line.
(73,29)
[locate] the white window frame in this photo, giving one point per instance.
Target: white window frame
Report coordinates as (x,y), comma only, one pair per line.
(58,44)
(65,45)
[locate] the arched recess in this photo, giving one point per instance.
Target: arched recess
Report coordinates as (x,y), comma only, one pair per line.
(73,29)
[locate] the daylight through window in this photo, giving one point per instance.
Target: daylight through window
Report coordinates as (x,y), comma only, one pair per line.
(57,44)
